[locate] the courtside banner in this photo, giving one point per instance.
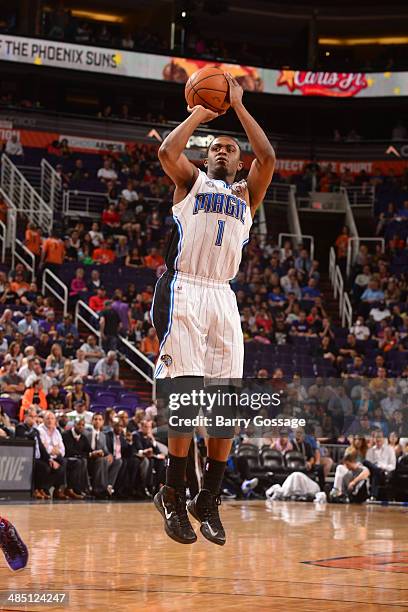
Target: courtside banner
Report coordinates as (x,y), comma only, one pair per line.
(16,466)
(165,68)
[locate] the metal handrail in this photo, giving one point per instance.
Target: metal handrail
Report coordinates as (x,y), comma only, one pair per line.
(46,285)
(51,184)
(122,342)
(347,314)
(358,192)
(353,245)
(24,197)
(79,317)
(3,239)
(15,255)
(299,237)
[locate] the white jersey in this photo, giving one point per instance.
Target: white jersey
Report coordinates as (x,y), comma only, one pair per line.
(212,227)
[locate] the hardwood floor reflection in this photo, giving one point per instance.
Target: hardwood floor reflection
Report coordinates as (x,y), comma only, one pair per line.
(289,556)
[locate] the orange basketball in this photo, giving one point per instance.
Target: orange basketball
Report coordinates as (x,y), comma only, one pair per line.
(208,87)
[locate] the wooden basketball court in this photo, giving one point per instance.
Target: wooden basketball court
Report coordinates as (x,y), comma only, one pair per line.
(279,555)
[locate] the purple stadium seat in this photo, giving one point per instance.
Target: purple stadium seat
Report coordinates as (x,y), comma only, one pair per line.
(9,406)
(106,399)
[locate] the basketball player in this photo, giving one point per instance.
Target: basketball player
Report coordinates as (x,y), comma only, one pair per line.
(194,309)
(14,550)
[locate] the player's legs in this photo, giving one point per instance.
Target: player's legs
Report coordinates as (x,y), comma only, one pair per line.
(175,314)
(224,362)
(13,547)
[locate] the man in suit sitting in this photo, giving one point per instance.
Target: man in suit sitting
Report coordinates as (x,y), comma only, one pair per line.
(152,466)
(77,452)
(103,467)
(45,476)
(121,450)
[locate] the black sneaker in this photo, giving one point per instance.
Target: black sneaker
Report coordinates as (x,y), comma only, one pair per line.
(204,508)
(171,504)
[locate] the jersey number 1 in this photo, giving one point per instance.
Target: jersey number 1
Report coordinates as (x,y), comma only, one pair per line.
(220,234)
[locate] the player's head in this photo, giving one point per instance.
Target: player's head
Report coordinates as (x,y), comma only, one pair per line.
(223,158)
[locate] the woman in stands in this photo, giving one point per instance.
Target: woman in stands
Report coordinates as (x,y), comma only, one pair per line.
(7,323)
(134,259)
(56,360)
(15,353)
(394,442)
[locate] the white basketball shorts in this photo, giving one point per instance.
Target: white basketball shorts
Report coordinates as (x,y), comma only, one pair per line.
(198,326)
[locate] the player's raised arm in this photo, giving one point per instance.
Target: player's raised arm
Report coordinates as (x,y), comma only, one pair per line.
(261,171)
(171,153)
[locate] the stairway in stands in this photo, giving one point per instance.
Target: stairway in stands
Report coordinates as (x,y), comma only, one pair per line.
(331,304)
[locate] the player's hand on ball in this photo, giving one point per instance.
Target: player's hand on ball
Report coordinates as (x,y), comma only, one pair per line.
(235,90)
(206,114)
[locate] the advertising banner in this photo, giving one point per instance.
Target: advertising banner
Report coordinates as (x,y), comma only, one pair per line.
(16,467)
(286,167)
(132,64)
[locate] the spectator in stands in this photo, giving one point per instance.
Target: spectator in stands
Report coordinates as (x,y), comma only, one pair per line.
(67,327)
(80,366)
(153,260)
(53,252)
(7,323)
(33,395)
(79,173)
(28,326)
(121,306)
(77,452)
(360,330)
(107,368)
(33,240)
(129,193)
(107,173)
(78,286)
(311,292)
(341,245)
(104,254)
(56,361)
(77,394)
(81,411)
(110,220)
(134,259)
(303,263)
(150,344)
(381,461)
(10,382)
(379,312)
(391,402)
(97,302)
(93,352)
(290,284)
(55,399)
(109,325)
(96,236)
(14,147)
(52,441)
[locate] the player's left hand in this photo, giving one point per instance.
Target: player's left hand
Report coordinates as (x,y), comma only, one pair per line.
(235,90)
